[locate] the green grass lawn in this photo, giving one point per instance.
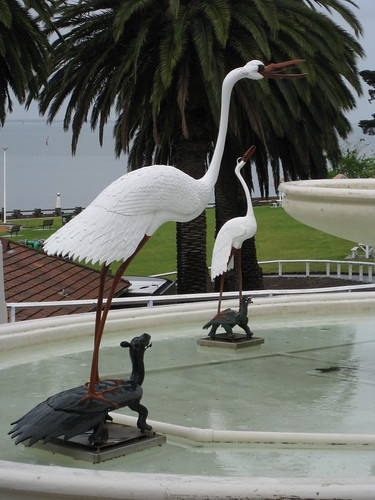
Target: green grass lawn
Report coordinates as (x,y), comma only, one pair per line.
(31,228)
(278,237)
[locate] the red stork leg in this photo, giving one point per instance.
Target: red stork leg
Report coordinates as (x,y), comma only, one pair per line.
(239,267)
(221,292)
(101,317)
(99,305)
(232,253)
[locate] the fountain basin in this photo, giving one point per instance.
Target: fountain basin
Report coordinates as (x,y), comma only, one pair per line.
(341,207)
(220,444)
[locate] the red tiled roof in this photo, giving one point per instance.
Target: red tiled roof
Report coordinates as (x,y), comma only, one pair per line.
(33,276)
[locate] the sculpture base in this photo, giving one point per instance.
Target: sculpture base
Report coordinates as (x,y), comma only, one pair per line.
(222,340)
(122,441)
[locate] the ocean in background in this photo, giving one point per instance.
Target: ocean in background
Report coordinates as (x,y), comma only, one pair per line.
(39,164)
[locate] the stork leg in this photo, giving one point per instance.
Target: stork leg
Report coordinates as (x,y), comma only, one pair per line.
(239,267)
(232,253)
(221,292)
(101,317)
(99,305)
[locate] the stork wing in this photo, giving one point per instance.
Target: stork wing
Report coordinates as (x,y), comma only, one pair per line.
(112,226)
(148,190)
(221,252)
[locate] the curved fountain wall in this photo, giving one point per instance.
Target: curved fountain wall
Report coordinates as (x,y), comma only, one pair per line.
(341,207)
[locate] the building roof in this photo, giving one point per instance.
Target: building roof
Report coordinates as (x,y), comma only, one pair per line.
(32,276)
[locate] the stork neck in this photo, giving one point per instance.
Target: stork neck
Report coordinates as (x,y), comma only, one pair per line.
(226,91)
(250,210)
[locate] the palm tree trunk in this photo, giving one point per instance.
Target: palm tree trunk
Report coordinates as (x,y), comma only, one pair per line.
(192,272)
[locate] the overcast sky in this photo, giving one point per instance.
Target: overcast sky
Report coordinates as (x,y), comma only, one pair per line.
(366,15)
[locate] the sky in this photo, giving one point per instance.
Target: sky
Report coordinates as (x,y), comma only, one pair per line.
(366,16)
(364,110)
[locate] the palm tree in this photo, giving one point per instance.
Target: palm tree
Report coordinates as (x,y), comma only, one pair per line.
(160,65)
(24,50)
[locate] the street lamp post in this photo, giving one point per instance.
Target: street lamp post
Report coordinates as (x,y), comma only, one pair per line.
(5,185)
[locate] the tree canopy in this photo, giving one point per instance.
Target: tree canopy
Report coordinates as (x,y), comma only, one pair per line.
(24,50)
(150,60)
(354,162)
(368,126)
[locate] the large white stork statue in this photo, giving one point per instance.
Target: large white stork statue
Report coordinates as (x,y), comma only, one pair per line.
(116,225)
(232,234)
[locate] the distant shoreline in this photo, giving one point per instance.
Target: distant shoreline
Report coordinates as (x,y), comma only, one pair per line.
(43,121)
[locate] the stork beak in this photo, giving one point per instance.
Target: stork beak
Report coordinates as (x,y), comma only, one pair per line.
(277,70)
(248,153)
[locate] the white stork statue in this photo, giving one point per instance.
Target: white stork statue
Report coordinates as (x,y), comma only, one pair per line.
(116,225)
(231,236)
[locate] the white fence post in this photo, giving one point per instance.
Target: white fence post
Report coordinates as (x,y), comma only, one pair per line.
(13,314)
(328,269)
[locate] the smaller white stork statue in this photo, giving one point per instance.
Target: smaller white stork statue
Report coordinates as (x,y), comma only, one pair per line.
(232,234)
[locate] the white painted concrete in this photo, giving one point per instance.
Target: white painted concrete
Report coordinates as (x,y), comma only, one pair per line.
(341,207)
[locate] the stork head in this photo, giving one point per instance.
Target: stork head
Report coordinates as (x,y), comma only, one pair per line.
(253,69)
(256,70)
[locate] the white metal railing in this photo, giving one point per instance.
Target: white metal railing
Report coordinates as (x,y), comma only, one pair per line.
(354,269)
(151,300)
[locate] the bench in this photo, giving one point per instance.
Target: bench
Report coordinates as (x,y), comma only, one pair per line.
(47,224)
(14,229)
(366,249)
(276,204)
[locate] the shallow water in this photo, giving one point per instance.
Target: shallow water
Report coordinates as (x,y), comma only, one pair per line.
(272,387)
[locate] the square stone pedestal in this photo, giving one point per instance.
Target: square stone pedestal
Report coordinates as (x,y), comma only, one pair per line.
(222,340)
(122,441)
